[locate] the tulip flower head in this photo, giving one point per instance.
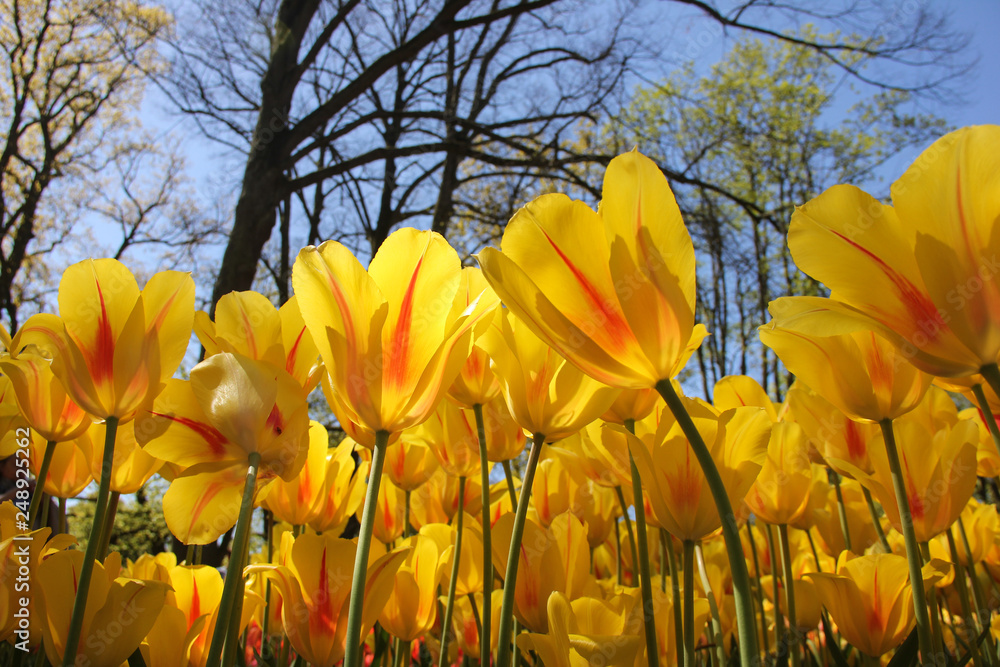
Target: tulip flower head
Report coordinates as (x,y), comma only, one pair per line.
(613,291)
(113,346)
(922,272)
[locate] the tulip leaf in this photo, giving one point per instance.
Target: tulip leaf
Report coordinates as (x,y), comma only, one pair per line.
(906,654)
(381,644)
(968,656)
(135,660)
(832,645)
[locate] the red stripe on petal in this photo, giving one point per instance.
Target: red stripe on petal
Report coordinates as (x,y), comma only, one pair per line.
(617,329)
(918,304)
(212,437)
(101,358)
(398,352)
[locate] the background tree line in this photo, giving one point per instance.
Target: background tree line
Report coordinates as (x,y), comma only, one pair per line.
(343,119)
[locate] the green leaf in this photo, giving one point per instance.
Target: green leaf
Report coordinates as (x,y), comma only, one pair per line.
(906,654)
(832,645)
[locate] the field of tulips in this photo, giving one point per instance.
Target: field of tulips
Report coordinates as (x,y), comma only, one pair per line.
(768,533)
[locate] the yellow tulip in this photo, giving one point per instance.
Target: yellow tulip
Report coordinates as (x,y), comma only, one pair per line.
(299,500)
(604,452)
(20,555)
(870,599)
(546,395)
(132,465)
(470,565)
(475,384)
(343,489)
(613,291)
(120,612)
(922,271)
(987,456)
(70,469)
(586,629)
(452,434)
(197,591)
(736,391)
(169,641)
(858,371)
(465,626)
(982,529)
(559,486)
(390,514)
(505,440)
(315,584)
(667,643)
(939,472)
(808,607)
(859,520)
(43,400)
(411,609)
(10,417)
(411,463)
(232,409)
(114,345)
(247,323)
(634,404)
(394,337)
(783,489)
(680,498)
(834,435)
(557,559)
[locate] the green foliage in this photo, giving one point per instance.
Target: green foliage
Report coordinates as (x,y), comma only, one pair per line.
(139,525)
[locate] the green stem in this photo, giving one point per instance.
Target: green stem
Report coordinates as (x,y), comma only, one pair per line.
(876,520)
(404,650)
(991,373)
(509,476)
(779,616)
(233,584)
(265,622)
(936,634)
(109,525)
(663,561)
(689,603)
(645,581)
(504,652)
(618,551)
(786,573)
(730,528)
(407,531)
(760,589)
(87,570)
(912,549)
(456,557)
(628,528)
(841,509)
(486,622)
(43,473)
(977,591)
(675,595)
(713,606)
(352,657)
(963,596)
(479,620)
(46,504)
